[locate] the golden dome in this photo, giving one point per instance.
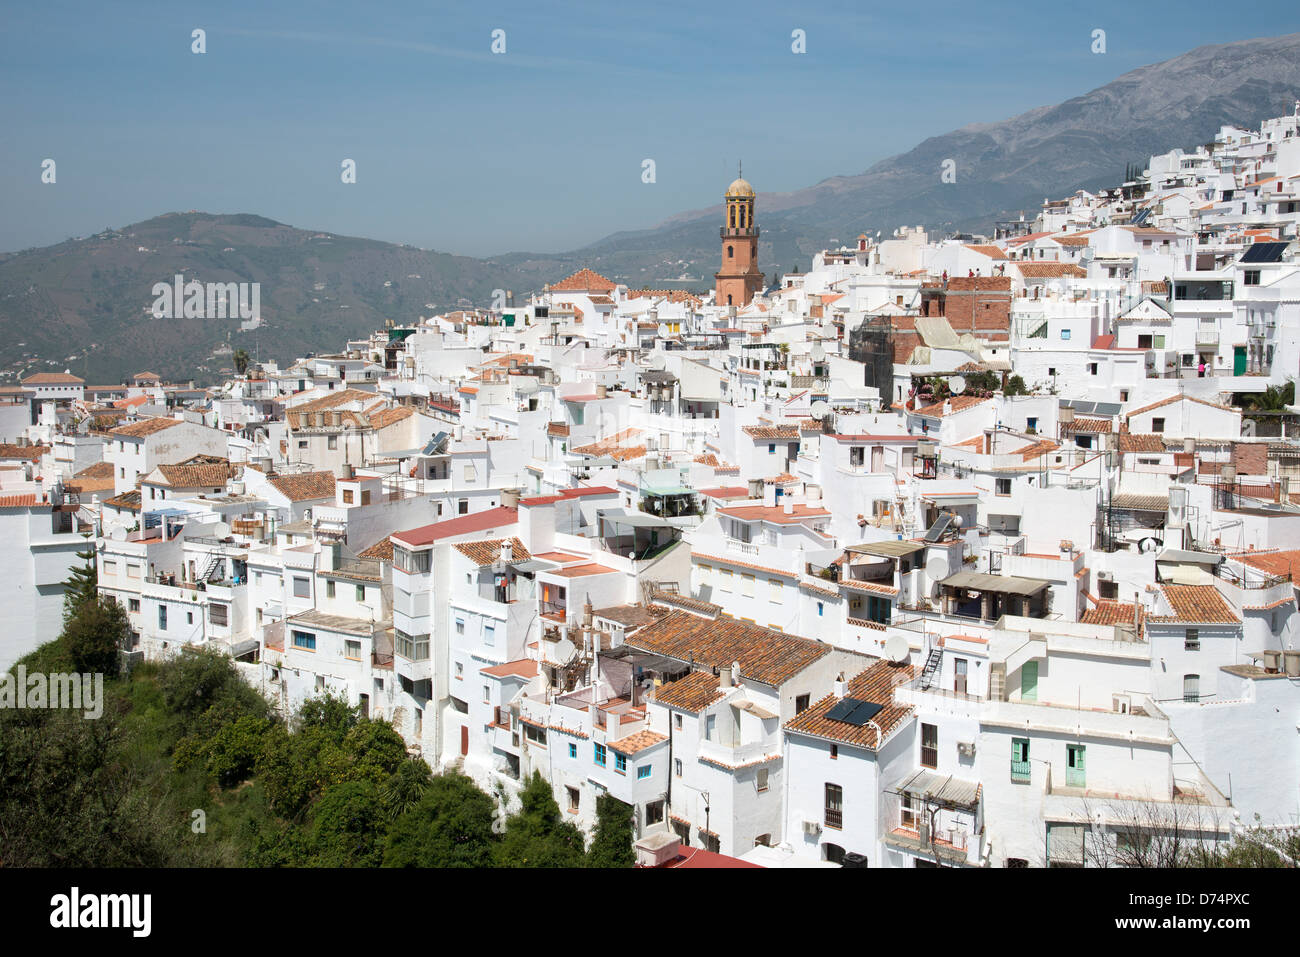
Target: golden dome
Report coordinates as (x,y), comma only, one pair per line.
(740,188)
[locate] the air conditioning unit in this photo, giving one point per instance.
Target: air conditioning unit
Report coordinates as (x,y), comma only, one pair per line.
(812,827)
(1105,576)
(966,749)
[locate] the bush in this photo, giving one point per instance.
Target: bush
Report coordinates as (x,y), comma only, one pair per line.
(450,826)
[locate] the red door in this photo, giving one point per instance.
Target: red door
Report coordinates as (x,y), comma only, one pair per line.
(464,740)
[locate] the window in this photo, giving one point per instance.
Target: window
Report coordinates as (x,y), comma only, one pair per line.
(460,626)
(462,506)
(801,704)
(774,590)
(110,567)
(1157,425)
(575,797)
(677,766)
(305,641)
(643,772)
(929,745)
(189,617)
(710,726)
(834,816)
(1252,277)
(819,609)
(1192,640)
(724,579)
(535,734)
(361,593)
(747,585)
(1092,368)
(1020,760)
(352,649)
(760,779)
(489,635)
(835,752)
(654,812)
(133,604)
(1065,335)
(162,617)
(677,720)
(411,647)
(329,588)
(460,671)
(1191,687)
(1002,486)
(347,496)
(332,442)
(487,694)
(1075,765)
(132,571)
(600,755)
(416,563)
(219,614)
(620,763)
(573,750)
(301,587)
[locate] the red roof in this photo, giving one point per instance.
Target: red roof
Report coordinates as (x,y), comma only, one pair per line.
(699,857)
(564,493)
(499,517)
(726,491)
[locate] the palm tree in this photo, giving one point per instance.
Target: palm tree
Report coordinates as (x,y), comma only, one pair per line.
(241,361)
(1275,398)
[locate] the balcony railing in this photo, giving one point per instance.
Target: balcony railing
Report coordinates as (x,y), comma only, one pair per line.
(1020,772)
(834,818)
(745,548)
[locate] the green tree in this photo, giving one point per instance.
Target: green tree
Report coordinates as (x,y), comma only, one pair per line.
(376,750)
(405,786)
(349,826)
(199,680)
(229,755)
(81,585)
(95,636)
(295,768)
(329,713)
(538,836)
(241,359)
(450,826)
(611,845)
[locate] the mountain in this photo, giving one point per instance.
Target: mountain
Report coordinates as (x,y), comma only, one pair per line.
(84,303)
(1001,168)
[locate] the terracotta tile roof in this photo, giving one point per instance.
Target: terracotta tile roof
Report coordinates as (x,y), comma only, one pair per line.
(584,280)
(382,550)
(1041,270)
(1095,426)
(100,470)
(53,378)
(959,403)
(522,668)
(1110,612)
(33,453)
(639,741)
(1041,447)
(488,551)
(1075,239)
(557,428)
(129,501)
(876,685)
(1251,458)
(694,693)
(1197,604)
(768,656)
(210,475)
(629,616)
(619,446)
(387,417)
(672,295)
(1273,563)
(993,252)
(144,427)
(581,571)
(304,486)
(686,601)
(726,492)
(332,400)
(772,431)
(18,501)
(1140,442)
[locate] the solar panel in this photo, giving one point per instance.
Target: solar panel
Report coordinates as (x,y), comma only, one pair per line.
(939,527)
(1140,217)
(863,713)
(844,708)
(1264,253)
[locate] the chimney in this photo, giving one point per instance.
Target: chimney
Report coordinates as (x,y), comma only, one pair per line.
(787,506)
(507,552)
(587,612)
(349,471)
(839,686)
(510,497)
(724,677)
(602,392)
(735,673)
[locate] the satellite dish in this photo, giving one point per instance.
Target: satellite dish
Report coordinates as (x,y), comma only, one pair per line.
(221,530)
(897,649)
(819,409)
(936,568)
(956,521)
(956,384)
(657,362)
(565,650)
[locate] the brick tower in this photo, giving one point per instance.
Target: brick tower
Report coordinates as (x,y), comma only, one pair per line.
(739,278)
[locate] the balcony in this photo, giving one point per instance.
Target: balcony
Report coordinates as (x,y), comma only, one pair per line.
(1020,772)
(1207,339)
(744,548)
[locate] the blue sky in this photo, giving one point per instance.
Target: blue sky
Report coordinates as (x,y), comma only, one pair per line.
(537,149)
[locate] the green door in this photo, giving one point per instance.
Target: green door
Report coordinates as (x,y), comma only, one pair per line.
(1238,360)
(1029,681)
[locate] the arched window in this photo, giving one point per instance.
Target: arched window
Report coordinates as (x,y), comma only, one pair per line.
(731,252)
(728,299)
(731,214)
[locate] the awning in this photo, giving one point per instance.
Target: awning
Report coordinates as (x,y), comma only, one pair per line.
(1005,584)
(889,549)
(242,648)
(670,490)
(534,565)
(621,516)
(942,789)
